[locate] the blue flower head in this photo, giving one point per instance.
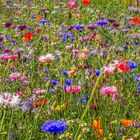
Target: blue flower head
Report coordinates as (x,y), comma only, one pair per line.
(54,82)
(54,126)
(138,87)
(132,65)
(97,72)
(137,78)
(101,23)
(65,73)
(68,82)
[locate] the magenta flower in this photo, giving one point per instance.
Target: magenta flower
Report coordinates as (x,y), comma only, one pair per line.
(72,4)
(75,52)
(10,57)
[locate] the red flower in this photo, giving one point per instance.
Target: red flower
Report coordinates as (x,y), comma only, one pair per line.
(86,2)
(123,67)
(135,20)
(28,36)
(39,103)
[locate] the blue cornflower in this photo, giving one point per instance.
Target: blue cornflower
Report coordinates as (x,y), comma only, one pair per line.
(120,134)
(68,82)
(12,135)
(44,21)
(138,87)
(72,38)
(83,100)
(78,27)
(45,70)
(137,43)
(101,22)
(54,82)
(87,96)
(54,126)
(97,72)
(137,78)
(132,65)
(65,73)
(125,47)
(52,91)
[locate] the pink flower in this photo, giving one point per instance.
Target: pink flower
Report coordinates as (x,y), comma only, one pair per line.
(73,89)
(72,4)
(109,70)
(15,76)
(39,91)
(108,90)
(69,47)
(10,57)
(47,58)
(75,52)
(19,93)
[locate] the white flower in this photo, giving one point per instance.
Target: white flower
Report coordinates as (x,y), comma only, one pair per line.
(8,99)
(47,58)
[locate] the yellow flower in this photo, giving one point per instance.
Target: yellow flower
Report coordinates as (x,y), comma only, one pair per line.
(58,108)
(16,35)
(110,135)
(105,139)
(123,137)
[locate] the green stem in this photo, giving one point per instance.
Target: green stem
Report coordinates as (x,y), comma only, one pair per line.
(91,96)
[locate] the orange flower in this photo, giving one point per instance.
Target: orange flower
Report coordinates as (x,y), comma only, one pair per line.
(38,18)
(39,103)
(97,124)
(71,73)
(97,38)
(126,123)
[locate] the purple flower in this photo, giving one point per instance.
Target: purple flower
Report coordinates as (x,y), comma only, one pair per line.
(7,24)
(101,23)
(22,27)
(91,27)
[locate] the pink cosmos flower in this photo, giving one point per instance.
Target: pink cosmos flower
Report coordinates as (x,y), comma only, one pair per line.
(73,89)
(47,58)
(108,90)
(72,4)
(75,52)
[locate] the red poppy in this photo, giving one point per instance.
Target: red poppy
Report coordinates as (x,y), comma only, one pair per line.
(86,2)
(39,103)
(28,36)
(135,20)
(123,67)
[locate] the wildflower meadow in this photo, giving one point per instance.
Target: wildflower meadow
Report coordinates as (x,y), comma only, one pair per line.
(69,69)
